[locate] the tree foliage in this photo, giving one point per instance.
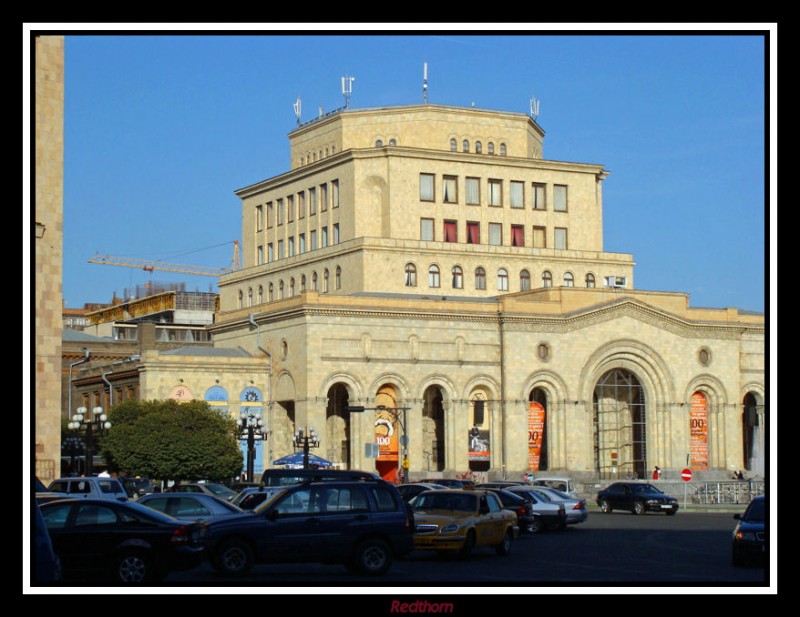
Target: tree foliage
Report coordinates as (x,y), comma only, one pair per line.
(170,440)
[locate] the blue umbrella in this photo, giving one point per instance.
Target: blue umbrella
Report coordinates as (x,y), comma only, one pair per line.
(297,459)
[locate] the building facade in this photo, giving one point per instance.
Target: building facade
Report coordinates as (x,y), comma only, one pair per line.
(428,263)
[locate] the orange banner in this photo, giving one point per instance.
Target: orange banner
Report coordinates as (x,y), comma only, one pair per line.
(698,432)
(386,435)
(536,416)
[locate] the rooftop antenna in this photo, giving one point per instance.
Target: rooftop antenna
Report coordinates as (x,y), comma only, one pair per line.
(425,82)
(534,107)
(298,104)
(347,89)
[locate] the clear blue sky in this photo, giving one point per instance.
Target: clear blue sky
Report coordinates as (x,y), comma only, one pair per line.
(161,129)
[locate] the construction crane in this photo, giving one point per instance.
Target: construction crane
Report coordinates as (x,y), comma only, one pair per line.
(149,265)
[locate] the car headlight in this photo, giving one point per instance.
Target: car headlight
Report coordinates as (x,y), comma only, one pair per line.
(652,502)
(745,536)
(450,528)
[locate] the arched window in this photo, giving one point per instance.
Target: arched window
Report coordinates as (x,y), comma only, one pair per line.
(271,293)
(590,282)
(338,279)
(260,294)
(302,283)
(280,290)
(453,145)
(291,287)
(314,286)
(241,299)
(433,276)
(478,147)
(325,280)
(458,277)
(547,279)
(411,275)
(491,147)
(569,279)
(249,296)
(502,279)
(379,143)
(502,149)
(480,278)
(465,145)
(392,142)
(524,280)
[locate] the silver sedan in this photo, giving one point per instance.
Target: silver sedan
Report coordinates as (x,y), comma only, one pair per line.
(575,508)
(190,506)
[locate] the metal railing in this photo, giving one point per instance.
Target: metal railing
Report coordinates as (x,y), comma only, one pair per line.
(726,492)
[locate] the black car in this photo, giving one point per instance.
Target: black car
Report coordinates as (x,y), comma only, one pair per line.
(750,534)
(636,497)
(449,482)
(363,525)
(138,486)
(122,541)
(534,515)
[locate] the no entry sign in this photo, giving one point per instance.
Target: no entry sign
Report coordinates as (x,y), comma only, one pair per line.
(686,475)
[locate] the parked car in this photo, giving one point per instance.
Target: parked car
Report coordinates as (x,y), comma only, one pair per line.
(411,490)
(249,498)
(287,477)
(137,487)
(560,483)
(190,506)
(46,564)
(43,495)
(459,520)
(362,524)
(750,534)
(534,512)
(90,488)
(124,541)
(209,488)
(636,497)
(449,482)
(575,508)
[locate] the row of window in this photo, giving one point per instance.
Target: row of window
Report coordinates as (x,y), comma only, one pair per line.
(478,146)
(479,280)
(473,195)
(289,248)
(538,237)
(288,290)
(286,208)
(311,157)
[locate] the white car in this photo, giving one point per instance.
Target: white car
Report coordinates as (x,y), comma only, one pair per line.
(563,484)
(575,508)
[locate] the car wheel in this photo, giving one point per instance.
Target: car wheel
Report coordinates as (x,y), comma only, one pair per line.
(373,557)
(134,567)
(504,548)
(605,507)
(233,557)
(535,525)
(469,544)
(639,508)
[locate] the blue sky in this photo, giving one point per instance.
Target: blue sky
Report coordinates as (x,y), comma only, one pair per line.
(162,128)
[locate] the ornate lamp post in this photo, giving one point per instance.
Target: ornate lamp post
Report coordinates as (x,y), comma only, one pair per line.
(306,438)
(98,422)
(251,428)
(72,446)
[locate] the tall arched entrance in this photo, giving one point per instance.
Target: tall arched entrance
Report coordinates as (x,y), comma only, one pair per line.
(751,436)
(619,426)
(433,428)
(337,427)
(537,430)
(387,433)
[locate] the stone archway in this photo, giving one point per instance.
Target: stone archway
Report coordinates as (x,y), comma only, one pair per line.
(337,427)
(433,428)
(620,432)
(538,445)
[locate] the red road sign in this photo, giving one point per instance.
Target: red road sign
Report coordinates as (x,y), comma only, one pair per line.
(686,475)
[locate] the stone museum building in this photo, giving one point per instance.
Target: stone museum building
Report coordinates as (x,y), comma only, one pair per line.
(428,264)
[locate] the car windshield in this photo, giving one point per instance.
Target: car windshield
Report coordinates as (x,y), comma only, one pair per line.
(220,489)
(755,511)
(644,488)
(446,501)
(561,494)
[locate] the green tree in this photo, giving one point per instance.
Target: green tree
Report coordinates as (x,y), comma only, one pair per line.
(170,440)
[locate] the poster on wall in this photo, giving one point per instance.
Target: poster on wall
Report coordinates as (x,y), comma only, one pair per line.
(698,432)
(536,416)
(478,449)
(386,435)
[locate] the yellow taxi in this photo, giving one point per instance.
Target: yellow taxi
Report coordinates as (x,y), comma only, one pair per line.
(461,520)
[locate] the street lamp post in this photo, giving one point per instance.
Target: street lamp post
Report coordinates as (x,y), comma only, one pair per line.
(306,438)
(98,422)
(72,446)
(251,427)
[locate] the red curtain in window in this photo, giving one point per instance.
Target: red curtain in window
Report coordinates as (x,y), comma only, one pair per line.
(449,231)
(517,236)
(473,233)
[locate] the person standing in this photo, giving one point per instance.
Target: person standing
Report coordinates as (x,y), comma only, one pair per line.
(657,473)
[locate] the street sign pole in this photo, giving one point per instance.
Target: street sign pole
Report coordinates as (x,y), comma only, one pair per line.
(686,476)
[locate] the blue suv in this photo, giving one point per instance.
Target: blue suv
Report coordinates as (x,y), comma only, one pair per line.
(363,525)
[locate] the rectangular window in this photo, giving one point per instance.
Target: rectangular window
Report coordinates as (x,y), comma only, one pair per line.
(495,192)
(495,234)
(324,237)
(450,189)
(559,198)
(473,192)
(426,187)
(290,207)
(313,239)
(426,229)
(336,233)
(259,218)
(291,246)
(301,204)
(280,249)
(450,231)
(323,197)
(561,237)
(335,194)
(260,254)
(517,235)
(473,232)
(270,252)
(280,212)
(270,214)
(301,243)
(517,195)
(539,202)
(312,202)
(539,237)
